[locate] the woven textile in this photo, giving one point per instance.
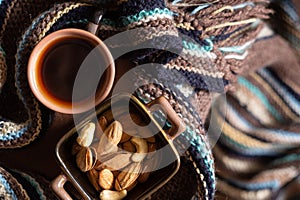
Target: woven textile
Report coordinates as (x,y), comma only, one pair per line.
(10,188)
(257,156)
(220,33)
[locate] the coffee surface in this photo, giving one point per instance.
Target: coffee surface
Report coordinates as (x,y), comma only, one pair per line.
(60,67)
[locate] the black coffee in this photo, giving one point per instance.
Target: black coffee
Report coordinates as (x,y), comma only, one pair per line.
(60,67)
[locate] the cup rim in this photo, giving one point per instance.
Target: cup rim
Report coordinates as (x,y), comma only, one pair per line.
(52,102)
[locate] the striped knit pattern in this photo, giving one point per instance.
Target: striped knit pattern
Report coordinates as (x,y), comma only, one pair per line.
(257,156)
(10,188)
(257,153)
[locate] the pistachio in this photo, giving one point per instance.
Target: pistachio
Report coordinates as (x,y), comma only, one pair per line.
(86,135)
(129,147)
(125,137)
(110,138)
(93,176)
(85,159)
(141,149)
(106,179)
(112,195)
(127,176)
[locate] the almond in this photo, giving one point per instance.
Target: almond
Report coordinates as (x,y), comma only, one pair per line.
(93,176)
(110,138)
(128,176)
(106,179)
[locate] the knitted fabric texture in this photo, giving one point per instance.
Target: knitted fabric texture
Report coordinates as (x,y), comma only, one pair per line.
(221,33)
(10,188)
(257,156)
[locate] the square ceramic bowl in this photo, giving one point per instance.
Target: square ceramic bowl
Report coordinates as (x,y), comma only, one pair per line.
(168,158)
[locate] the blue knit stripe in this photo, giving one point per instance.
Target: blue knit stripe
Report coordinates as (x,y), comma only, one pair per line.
(268,132)
(13,135)
(286,159)
(250,151)
(256,91)
(256,186)
(283,91)
(7,187)
(127,20)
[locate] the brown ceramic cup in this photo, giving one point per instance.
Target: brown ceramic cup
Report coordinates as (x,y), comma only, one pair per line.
(54,65)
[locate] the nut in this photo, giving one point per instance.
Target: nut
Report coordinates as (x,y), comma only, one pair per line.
(130,123)
(150,139)
(141,149)
(143,177)
(86,134)
(93,176)
(75,148)
(112,195)
(110,138)
(103,123)
(86,159)
(128,176)
(146,170)
(129,147)
(125,137)
(115,161)
(106,179)
(132,186)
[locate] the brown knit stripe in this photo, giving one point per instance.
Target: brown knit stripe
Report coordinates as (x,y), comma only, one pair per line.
(274,99)
(232,166)
(15,185)
(242,110)
(254,106)
(203,66)
(3,69)
(202,102)
(23,54)
(232,192)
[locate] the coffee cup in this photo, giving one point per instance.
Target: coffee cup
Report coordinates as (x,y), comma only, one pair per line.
(60,58)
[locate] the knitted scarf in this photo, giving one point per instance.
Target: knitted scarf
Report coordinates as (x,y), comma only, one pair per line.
(221,33)
(257,156)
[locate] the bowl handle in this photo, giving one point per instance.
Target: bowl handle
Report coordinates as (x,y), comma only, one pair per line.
(58,187)
(177,124)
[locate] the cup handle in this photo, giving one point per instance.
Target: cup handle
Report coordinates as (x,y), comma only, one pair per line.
(58,187)
(178,125)
(93,25)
